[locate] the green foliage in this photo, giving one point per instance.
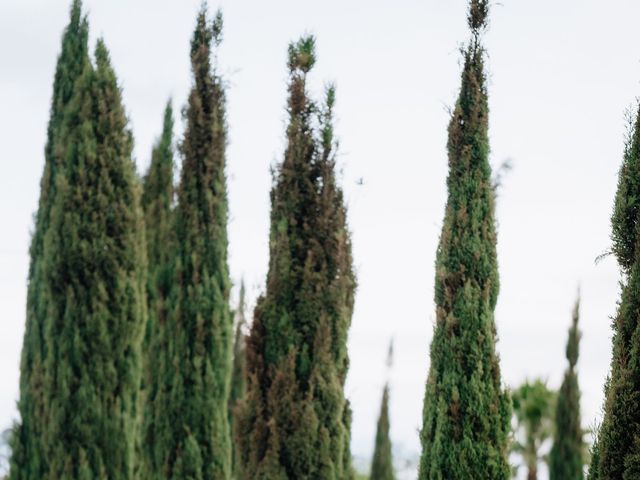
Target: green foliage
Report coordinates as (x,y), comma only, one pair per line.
(618,448)
(594,473)
(95,267)
(294,421)
(382,463)
(466,410)
(157,202)
(533,407)
(624,219)
(238,373)
(566,460)
(28,459)
(191,403)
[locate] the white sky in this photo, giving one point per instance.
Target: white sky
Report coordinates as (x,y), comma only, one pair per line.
(561,76)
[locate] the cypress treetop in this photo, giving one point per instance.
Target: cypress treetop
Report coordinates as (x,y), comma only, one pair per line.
(27,459)
(193,440)
(294,421)
(96,272)
(567,454)
(382,463)
(158,196)
(626,208)
(466,410)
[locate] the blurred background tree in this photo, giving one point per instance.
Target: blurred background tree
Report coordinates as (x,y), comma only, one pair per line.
(533,412)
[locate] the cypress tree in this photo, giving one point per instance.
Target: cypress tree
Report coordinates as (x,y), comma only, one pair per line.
(28,460)
(192,431)
(466,410)
(566,458)
(618,446)
(239,373)
(294,421)
(157,202)
(96,268)
(382,464)
(594,470)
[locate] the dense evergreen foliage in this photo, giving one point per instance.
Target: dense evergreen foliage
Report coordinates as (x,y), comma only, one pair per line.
(28,450)
(295,421)
(192,439)
(533,408)
(618,448)
(466,410)
(594,465)
(382,463)
(95,273)
(566,458)
(157,202)
(238,373)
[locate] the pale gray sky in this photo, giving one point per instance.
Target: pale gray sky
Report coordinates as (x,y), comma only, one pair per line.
(561,76)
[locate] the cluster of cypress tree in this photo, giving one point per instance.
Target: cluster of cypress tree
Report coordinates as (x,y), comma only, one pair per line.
(97,273)
(190,429)
(28,459)
(294,421)
(87,305)
(617,452)
(91,405)
(466,410)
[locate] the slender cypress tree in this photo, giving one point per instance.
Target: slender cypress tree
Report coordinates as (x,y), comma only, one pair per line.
(238,374)
(28,460)
(96,269)
(157,202)
(594,466)
(294,421)
(566,458)
(618,447)
(382,464)
(466,410)
(192,431)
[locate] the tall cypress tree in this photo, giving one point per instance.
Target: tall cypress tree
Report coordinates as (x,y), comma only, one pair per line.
(466,410)
(192,434)
(566,458)
(96,268)
(157,202)
(618,448)
(238,374)
(382,464)
(27,460)
(295,421)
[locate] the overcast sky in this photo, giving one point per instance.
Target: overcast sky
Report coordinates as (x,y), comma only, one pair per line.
(561,75)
